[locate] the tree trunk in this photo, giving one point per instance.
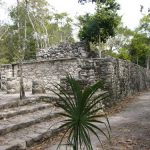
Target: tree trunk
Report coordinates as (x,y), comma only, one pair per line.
(99,42)
(22,91)
(147,62)
(32,24)
(137,60)
(46,32)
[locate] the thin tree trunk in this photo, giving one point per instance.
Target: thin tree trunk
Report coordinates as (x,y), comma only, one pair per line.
(61,37)
(147,62)
(22,91)
(32,24)
(47,36)
(100,52)
(137,60)
(25,38)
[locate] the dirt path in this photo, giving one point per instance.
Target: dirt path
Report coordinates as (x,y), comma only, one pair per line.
(130,126)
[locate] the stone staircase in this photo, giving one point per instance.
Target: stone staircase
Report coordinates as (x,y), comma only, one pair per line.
(24,123)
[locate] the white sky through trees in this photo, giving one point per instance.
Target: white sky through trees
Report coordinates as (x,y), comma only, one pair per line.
(130,9)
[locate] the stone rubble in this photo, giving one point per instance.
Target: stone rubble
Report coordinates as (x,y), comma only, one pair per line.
(63,50)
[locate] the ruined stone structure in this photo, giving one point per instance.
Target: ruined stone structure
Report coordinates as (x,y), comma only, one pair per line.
(120,77)
(63,50)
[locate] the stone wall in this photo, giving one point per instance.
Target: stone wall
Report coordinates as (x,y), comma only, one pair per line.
(121,78)
(46,72)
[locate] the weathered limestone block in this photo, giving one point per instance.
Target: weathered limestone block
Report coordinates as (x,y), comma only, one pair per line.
(82,84)
(37,87)
(3,83)
(13,85)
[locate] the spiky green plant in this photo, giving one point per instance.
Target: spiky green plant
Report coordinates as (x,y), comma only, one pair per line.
(81,114)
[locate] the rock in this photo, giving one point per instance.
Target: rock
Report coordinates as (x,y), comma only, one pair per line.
(37,88)
(13,85)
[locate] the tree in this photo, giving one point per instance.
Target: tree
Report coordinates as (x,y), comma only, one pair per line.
(60,28)
(21,52)
(118,46)
(136,49)
(139,50)
(140,44)
(121,40)
(145,29)
(81,113)
(99,27)
(39,28)
(3,51)
(32,14)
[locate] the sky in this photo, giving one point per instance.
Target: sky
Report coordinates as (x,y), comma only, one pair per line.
(130,9)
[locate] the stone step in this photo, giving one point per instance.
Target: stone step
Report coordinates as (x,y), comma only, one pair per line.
(31,107)
(15,103)
(26,137)
(25,120)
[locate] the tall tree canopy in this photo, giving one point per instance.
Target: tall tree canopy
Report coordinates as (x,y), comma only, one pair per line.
(39,27)
(132,45)
(140,45)
(100,26)
(118,46)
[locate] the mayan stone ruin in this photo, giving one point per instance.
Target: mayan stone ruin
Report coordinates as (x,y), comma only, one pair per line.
(30,121)
(121,78)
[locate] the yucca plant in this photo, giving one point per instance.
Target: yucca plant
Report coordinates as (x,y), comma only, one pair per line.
(81,114)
